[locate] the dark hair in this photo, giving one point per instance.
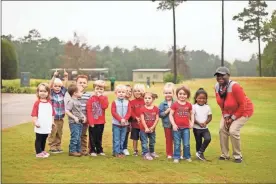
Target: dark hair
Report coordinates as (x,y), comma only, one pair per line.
(185,89)
(200,91)
(153,95)
(72,89)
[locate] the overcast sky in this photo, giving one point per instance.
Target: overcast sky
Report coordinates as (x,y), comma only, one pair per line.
(129,23)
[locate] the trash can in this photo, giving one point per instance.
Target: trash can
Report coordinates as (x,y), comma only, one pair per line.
(25,79)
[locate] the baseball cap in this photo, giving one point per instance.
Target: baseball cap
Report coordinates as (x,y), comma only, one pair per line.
(222,70)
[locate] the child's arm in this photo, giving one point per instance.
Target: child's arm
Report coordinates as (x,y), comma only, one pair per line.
(155,123)
(34,114)
(53,79)
(128,114)
(34,120)
(144,123)
(192,120)
(175,128)
(65,79)
(68,110)
(162,111)
(103,101)
(114,112)
(89,111)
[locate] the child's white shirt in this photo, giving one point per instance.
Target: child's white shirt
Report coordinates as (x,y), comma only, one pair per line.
(44,112)
(201,113)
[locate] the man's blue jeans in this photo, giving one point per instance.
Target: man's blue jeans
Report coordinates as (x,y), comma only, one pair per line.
(144,142)
(184,135)
(75,141)
(119,135)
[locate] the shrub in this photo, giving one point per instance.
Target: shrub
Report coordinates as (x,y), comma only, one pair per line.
(169,78)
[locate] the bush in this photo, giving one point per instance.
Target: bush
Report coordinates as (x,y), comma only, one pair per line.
(169,78)
(12,89)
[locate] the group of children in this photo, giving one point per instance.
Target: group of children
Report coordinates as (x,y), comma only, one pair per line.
(137,117)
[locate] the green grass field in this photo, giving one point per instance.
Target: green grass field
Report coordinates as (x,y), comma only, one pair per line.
(258,146)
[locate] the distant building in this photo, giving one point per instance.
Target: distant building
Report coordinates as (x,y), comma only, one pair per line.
(154,75)
(92,73)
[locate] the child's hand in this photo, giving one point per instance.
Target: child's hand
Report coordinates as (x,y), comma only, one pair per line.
(138,120)
(152,129)
(37,125)
(168,110)
(76,119)
(203,125)
(175,127)
(84,119)
(147,130)
(65,73)
(91,126)
(56,73)
(123,121)
(53,123)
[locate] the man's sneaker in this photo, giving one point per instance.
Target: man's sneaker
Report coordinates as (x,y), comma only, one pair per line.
(238,160)
(169,157)
(181,157)
(189,160)
(200,156)
(60,150)
(40,155)
(74,154)
(54,151)
(147,156)
(154,155)
(223,158)
(135,153)
(46,154)
(126,152)
(93,154)
(176,161)
(102,154)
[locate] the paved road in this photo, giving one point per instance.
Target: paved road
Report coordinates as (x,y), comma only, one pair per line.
(16,108)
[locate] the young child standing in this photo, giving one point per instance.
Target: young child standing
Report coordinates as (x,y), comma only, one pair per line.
(58,91)
(149,120)
(164,110)
(43,119)
(203,116)
(96,106)
(121,111)
(128,96)
(182,119)
(82,83)
(136,104)
(76,120)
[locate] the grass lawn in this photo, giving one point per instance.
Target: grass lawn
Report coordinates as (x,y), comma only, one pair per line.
(258,146)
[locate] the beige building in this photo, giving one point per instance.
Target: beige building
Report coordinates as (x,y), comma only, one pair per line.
(155,75)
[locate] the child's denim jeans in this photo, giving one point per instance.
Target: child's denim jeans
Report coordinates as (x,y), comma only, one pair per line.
(75,141)
(144,142)
(184,135)
(119,135)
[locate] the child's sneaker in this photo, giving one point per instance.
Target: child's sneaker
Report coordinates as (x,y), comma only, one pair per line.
(93,154)
(147,156)
(154,155)
(181,157)
(54,151)
(169,157)
(176,161)
(126,152)
(60,150)
(46,154)
(189,160)
(135,153)
(200,156)
(122,155)
(40,155)
(102,154)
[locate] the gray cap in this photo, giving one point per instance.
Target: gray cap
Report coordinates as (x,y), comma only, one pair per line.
(222,70)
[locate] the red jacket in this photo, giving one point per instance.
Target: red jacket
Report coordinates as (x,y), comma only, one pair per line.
(136,105)
(236,104)
(95,108)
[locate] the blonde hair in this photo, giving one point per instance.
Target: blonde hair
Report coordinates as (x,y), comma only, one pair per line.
(120,86)
(169,85)
(58,81)
(47,89)
(99,83)
(140,87)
